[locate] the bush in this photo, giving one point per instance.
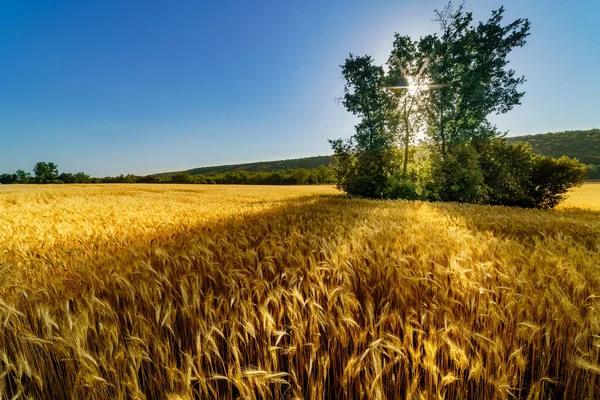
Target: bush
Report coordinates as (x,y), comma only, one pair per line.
(365,174)
(551,178)
(458,177)
(515,176)
(506,172)
(400,188)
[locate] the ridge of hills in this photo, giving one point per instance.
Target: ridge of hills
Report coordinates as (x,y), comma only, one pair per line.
(583,145)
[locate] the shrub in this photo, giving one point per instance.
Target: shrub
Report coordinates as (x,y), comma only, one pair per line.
(515,176)
(551,178)
(506,172)
(399,187)
(457,176)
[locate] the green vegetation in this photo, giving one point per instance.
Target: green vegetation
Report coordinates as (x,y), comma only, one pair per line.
(446,84)
(44,172)
(255,174)
(298,171)
(300,176)
(583,145)
(261,166)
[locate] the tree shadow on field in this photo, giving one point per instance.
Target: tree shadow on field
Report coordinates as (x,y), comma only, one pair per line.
(282,303)
(167,313)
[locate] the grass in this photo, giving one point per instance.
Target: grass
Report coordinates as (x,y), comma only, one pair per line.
(181,292)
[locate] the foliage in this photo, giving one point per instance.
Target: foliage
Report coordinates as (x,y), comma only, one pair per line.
(491,171)
(345,169)
(309,163)
(552,178)
(22,177)
(301,176)
(367,160)
(470,63)
(79,177)
(452,81)
(45,172)
(583,145)
(6,179)
(182,177)
(458,176)
(507,171)
(498,173)
(399,187)
(408,79)
(219,292)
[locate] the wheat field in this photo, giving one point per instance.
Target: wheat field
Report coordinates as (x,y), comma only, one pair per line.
(212,292)
(585,197)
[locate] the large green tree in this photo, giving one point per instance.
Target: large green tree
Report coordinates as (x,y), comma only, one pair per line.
(366,161)
(45,172)
(449,83)
(22,176)
(470,63)
(408,80)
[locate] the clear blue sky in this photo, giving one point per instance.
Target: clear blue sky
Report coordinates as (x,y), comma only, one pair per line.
(143,86)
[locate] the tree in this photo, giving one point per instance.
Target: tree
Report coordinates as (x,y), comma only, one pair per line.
(322,175)
(301,176)
(81,177)
(450,83)
(7,179)
(408,79)
(22,176)
(182,177)
(506,171)
(366,160)
(515,176)
(470,62)
(66,177)
(465,67)
(458,176)
(45,172)
(551,178)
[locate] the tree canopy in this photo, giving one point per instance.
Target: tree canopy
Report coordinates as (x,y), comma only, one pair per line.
(445,86)
(45,172)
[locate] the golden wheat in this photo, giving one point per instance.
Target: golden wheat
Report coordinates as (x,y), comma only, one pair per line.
(586,197)
(182,292)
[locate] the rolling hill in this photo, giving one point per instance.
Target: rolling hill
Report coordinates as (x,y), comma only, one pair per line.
(583,145)
(261,166)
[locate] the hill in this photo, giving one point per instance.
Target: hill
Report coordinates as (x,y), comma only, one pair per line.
(583,145)
(261,166)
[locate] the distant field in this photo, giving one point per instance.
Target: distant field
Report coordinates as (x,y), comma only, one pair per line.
(586,196)
(212,292)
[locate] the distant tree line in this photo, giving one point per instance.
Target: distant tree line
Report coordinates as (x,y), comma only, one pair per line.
(47,172)
(44,172)
(444,86)
(301,176)
(264,166)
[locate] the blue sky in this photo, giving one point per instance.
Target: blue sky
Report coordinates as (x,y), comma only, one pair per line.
(144,86)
